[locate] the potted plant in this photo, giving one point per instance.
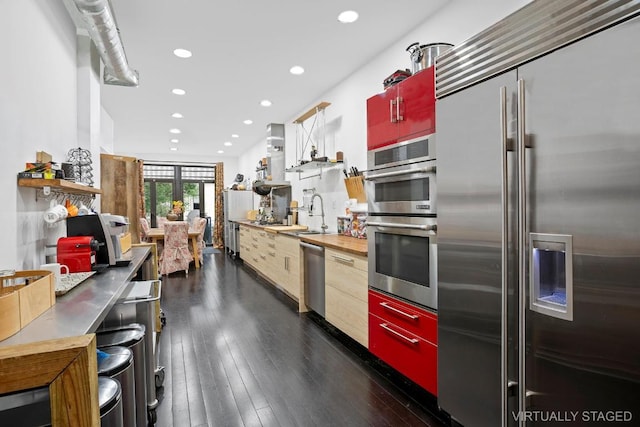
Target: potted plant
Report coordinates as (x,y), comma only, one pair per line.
(176,210)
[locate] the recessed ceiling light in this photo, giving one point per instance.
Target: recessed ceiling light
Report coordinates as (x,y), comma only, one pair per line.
(175,140)
(248,122)
(173,148)
(348,16)
(265,103)
(177,116)
(235,135)
(175,130)
(296,69)
(220,151)
(228,144)
(182,53)
(178,91)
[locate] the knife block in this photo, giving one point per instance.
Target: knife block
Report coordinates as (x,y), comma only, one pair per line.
(355,188)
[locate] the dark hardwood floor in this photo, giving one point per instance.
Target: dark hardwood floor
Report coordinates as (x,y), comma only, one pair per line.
(237,353)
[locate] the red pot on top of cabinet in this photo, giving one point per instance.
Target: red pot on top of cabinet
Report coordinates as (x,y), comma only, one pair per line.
(404,111)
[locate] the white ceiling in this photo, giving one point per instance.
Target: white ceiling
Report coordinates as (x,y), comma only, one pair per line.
(242,52)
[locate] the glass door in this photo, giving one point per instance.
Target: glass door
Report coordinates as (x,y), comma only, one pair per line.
(191,196)
(158,196)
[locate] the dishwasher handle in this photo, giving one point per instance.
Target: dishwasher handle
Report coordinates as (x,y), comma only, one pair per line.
(312,247)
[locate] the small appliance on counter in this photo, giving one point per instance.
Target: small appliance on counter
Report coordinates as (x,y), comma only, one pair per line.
(78,253)
(97,227)
(118,225)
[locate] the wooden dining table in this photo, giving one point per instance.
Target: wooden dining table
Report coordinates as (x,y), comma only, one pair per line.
(156,234)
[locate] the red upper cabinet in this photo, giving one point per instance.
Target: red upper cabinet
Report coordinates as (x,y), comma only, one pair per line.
(403,111)
(382,129)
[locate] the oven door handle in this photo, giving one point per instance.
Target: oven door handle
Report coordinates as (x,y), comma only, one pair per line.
(400,173)
(432,227)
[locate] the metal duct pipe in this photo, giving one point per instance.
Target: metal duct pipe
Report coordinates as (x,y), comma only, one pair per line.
(101,25)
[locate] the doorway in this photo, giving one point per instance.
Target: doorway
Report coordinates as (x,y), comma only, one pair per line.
(193,185)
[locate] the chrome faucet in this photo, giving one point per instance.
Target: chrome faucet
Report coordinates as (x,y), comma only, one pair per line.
(323,226)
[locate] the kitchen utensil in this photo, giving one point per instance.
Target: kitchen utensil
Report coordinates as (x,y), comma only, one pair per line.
(261,189)
(83,210)
(55,213)
(294,212)
(344,171)
(424,56)
(395,78)
(57,270)
(355,188)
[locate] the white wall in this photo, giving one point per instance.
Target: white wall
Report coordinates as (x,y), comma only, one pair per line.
(40,90)
(37,112)
(346,116)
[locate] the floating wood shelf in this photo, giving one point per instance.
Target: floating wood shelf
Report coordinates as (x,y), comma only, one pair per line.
(58,184)
(321,106)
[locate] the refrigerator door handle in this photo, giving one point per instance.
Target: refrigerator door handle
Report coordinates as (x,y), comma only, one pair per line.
(507,386)
(522,241)
(530,393)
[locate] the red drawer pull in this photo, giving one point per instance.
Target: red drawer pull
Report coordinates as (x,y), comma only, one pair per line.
(398,334)
(395,310)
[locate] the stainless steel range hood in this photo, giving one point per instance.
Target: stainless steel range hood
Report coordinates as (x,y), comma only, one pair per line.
(275,156)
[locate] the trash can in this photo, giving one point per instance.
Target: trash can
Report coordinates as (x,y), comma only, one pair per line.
(110,401)
(132,337)
(118,365)
(33,407)
(208,235)
(137,303)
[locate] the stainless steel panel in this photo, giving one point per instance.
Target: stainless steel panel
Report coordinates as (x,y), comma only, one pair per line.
(314,277)
(584,181)
(422,228)
(536,29)
(402,153)
(469,156)
(404,182)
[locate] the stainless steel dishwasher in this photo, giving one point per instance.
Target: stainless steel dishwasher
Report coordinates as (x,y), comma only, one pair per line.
(313,277)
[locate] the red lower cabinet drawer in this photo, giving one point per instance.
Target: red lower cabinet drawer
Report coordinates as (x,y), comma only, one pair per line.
(409,317)
(409,354)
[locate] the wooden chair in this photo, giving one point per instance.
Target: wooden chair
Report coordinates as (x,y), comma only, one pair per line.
(144,225)
(175,254)
(199,224)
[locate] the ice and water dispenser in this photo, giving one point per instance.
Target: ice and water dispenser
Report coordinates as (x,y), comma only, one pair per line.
(551,275)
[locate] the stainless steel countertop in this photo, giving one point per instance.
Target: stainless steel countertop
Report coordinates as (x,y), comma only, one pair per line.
(82,309)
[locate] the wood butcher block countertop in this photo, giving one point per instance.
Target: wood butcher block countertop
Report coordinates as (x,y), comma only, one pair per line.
(333,241)
(338,242)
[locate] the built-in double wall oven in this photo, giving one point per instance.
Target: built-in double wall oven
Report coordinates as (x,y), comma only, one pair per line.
(401,191)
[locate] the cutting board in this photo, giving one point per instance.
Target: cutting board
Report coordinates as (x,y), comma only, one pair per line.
(278,228)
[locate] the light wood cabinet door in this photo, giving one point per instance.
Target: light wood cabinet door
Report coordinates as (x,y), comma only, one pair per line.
(289,253)
(346,296)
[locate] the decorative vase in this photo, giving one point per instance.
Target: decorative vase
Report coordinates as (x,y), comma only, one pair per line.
(171,216)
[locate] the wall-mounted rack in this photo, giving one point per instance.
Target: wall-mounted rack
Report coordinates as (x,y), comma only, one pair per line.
(59,189)
(312,166)
(305,141)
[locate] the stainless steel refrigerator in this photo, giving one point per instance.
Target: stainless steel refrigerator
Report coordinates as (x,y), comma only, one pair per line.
(539,219)
(236,204)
